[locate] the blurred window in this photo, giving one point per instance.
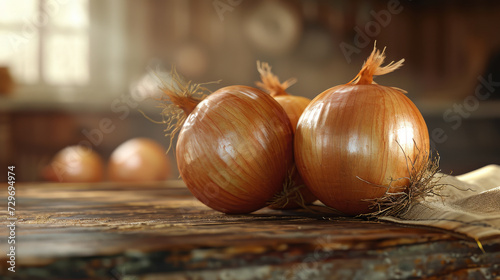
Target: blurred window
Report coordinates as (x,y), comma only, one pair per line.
(46,42)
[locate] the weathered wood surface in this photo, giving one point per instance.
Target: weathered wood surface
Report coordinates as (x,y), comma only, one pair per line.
(159,231)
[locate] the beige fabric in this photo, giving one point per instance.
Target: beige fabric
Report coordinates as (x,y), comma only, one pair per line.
(473,208)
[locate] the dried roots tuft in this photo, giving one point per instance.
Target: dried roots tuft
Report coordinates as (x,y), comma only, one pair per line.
(424,182)
(291,194)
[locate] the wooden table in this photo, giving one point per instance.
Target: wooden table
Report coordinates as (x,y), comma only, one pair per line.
(159,231)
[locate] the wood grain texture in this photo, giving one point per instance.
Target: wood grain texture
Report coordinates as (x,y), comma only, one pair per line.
(160,231)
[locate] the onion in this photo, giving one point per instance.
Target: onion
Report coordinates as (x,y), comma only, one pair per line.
(139,160)
(75,164)
(235,146)
(293,105)
(294,193)
(358,141)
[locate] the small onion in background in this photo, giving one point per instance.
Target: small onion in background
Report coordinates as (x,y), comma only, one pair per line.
(75,164)
(360,141)
(139,160)
(295,193)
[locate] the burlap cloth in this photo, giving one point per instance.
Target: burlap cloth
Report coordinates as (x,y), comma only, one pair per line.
(469,205)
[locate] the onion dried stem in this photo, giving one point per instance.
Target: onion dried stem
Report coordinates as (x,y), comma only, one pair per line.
(373,67)
(178,101)
(270,82)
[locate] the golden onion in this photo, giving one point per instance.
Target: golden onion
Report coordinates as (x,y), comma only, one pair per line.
(234,147)
(359,141)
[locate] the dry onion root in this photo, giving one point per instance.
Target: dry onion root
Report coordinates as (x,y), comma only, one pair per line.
(294,193)
(356,137)
(424,182)
(234,146)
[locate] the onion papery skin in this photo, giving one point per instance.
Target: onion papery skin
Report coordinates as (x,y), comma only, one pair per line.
(294,193)
(353,139)
(234,149)
(293,106)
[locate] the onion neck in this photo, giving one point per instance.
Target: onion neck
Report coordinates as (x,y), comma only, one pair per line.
(365,78)
(279,91)
(188,105)
(270,82)
(182,101)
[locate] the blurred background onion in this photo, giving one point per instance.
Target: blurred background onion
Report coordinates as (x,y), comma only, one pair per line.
(138,160)
(75,164)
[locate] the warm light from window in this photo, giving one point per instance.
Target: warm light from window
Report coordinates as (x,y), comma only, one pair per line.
(45,42)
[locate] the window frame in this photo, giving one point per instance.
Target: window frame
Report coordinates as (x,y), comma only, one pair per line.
(107,49)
